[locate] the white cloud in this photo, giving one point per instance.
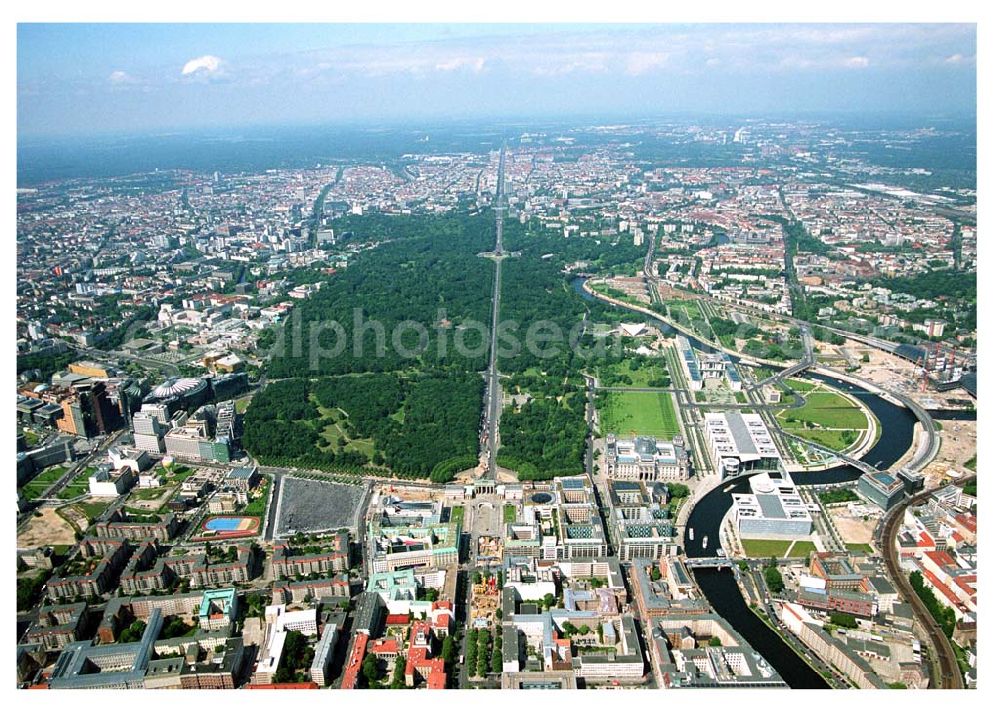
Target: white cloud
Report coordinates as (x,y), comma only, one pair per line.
(120,77)
(955,59)
(208,64)
(641,62)
(476,64)
(856,62)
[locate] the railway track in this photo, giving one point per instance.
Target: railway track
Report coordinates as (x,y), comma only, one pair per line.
(949,673)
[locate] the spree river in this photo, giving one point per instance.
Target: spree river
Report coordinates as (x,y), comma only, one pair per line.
(719,586)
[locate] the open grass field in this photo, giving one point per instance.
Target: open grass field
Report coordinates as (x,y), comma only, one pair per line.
(645,413)
(864,547)
(802,548)
(94,508)
(36,486)
(509,513)
(766,548)
(778,548)
(825,409)
(828,418)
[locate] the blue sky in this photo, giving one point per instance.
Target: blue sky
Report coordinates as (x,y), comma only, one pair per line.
(86,78)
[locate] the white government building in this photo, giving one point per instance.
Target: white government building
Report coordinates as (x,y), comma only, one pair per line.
(772,509)
(740,443)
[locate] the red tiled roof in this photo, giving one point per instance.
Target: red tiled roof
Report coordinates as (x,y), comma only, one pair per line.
(397,619)
(967,583)
(385,647)
(968,520)
(941,558)
(354,661)
(437,680)
(943,589)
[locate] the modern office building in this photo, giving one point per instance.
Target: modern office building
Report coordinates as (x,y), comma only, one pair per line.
(640,522)
(87,411)
(699,366)
(772,509)
(580,530)
(740,443)
(689,362)
(882,489)
(319,671)
(148,429)
(109,482)
(194,443)
(402,537)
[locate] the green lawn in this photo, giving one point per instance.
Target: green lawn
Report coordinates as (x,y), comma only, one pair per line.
(777,548)
(174,474)
(765,548)
(93,509)
(509,512)
(802,548)
(645,413)
(824,407)
(865,547)
(971,464)
(36,487)
(832,439)
(242,403)
(838,422)
(148,494)
(799,385)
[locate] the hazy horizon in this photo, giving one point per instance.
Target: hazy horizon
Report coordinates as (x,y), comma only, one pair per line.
(89,80)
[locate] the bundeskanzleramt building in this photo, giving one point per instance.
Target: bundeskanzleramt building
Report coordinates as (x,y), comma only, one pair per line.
(740,443)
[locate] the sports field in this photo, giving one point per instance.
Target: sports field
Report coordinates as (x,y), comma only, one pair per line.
(222,527)
(645,413)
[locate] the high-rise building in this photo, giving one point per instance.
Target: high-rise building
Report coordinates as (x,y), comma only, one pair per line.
(87,411)
(148,430)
